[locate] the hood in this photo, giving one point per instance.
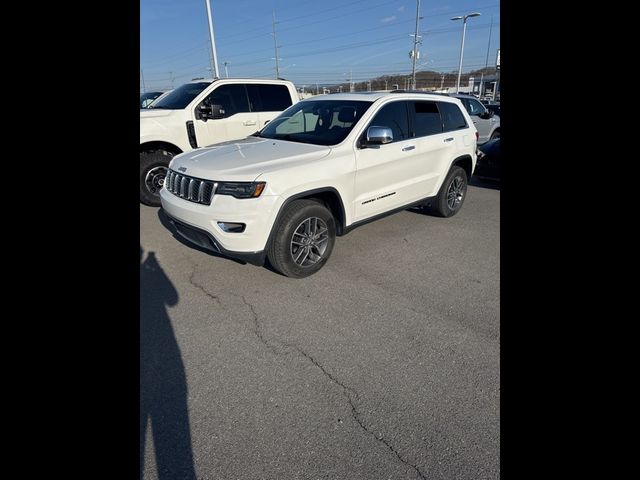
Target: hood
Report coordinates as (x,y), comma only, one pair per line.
(151,113)
(245,160)
(159,122)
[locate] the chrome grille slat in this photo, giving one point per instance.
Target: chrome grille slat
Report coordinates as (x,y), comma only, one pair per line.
(169,180)
(183,186)
(201,191)
(189,188)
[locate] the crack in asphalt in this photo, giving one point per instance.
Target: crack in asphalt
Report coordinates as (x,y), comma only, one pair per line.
(349,393)
(201,288)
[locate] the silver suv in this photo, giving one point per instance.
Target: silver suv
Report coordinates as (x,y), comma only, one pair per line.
(485,121)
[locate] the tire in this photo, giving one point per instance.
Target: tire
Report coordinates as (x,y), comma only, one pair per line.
(153,168)
(288,252)
(452,193)
(495,135)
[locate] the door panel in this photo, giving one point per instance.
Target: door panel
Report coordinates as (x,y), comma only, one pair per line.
(383,178)
(238,121)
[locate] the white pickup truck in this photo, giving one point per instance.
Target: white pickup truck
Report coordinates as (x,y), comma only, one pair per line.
(201,113)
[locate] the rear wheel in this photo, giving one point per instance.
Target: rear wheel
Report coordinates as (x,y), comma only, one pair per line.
(153,170)
(452,193)
(303,239)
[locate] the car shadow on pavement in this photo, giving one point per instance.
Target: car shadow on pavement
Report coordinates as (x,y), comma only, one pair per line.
(164,220)
(485,182)
(163,383)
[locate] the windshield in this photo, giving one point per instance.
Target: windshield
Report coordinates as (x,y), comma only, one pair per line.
(147,98)
(321,122)
(181,96)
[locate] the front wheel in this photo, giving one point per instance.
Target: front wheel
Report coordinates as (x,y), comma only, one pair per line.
(452,193)
(303,239)
(153,170)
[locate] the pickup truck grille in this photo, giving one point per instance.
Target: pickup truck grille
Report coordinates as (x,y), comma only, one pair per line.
(192,189)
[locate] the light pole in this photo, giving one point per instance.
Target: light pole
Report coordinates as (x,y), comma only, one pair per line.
(414,52)
(213,41)
(464,29)
(226,71)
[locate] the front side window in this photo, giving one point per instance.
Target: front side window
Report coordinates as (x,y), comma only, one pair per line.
(426,119)
(394,116)
(181,96)
(321,122)
(452,117)
(232,99)
(475,107)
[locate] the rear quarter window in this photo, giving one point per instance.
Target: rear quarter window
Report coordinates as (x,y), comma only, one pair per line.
(452,117)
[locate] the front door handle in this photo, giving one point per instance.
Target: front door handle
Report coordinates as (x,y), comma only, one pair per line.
(410,147)
(249,123)
(450,139)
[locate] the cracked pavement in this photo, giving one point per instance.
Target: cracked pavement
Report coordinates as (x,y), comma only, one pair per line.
(384,365)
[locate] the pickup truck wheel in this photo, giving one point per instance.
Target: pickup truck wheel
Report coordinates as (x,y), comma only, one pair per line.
(303,239)
(452,193)
(153,169)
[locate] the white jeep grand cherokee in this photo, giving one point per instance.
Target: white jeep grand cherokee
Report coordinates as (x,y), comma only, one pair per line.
(321,168)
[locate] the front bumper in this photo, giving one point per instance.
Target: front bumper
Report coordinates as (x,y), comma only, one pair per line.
(205,240)
(199,223)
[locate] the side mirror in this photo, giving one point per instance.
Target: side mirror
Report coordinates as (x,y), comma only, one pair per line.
(209,112)
(487,114)
(378,135)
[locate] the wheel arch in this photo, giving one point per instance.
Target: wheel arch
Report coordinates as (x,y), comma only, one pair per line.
(464,161)
(160,145)
(328,196)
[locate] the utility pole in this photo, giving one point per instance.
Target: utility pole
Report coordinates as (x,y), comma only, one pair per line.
(275,44)
(213,41)
(144,88)
(416,41)
(226,72)
(441,81)
(486,62)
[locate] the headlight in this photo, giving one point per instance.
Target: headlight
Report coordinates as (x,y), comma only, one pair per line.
(240,189)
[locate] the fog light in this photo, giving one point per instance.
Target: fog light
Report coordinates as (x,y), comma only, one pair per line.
(232,227)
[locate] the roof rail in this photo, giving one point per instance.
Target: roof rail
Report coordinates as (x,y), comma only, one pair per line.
(419,91)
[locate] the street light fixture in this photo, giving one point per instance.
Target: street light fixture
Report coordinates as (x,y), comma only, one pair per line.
(464,29)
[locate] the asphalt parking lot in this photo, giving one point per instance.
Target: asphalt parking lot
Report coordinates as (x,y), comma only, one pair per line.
(384,365)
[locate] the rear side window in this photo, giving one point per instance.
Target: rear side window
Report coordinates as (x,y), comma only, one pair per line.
(269,98)
(232,98)
(426,119)
(452,117)
(394,116)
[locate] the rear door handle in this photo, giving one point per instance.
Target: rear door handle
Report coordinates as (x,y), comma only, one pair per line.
(450,139)
(249,123)
(410,147)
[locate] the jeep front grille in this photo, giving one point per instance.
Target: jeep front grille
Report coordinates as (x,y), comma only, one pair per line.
(193,189)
